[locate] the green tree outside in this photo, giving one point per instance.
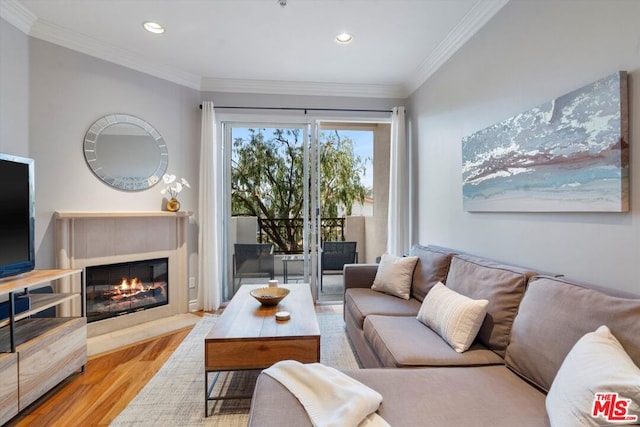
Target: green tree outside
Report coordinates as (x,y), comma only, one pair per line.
(267,179)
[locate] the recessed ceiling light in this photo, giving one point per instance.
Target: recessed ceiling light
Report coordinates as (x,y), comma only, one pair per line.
(153,27)
(344,38)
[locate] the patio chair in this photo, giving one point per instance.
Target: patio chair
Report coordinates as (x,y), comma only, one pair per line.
(335,255)
(251,260)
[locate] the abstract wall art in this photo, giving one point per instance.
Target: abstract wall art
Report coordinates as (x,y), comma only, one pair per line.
(568,155)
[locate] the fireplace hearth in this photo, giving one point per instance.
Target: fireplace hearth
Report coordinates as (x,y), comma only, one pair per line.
(118,289)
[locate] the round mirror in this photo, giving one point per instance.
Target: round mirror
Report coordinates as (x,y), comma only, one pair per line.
(125,152)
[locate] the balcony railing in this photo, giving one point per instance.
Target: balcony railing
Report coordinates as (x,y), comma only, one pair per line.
(286,233)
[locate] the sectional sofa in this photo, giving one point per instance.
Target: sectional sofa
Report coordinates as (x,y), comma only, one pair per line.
(539,356)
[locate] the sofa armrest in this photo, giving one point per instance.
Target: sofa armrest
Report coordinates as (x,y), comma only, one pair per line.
(359,275)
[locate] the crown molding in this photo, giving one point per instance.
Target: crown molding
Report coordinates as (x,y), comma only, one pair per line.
(17,15)
(28,23)
(23,19)
(473,21)
(303,88)
(52,33)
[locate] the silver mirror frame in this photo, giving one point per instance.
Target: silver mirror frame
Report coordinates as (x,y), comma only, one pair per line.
(121,183)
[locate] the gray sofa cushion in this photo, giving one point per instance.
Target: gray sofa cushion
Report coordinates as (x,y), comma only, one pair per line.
(405,342)
(364,352)
(433,267)
(503,285)
(359,275)
(555,313)
(362,302)
(437,397)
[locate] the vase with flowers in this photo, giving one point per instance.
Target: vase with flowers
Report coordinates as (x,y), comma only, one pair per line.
(172,188)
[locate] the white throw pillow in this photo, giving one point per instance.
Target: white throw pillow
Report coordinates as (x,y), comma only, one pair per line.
(395,275)
(597,363)
(455,317)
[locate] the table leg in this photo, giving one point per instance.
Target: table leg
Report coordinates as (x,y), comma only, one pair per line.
(207,390)
(206,393)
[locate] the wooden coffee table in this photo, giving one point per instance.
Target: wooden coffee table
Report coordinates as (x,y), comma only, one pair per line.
(247,336)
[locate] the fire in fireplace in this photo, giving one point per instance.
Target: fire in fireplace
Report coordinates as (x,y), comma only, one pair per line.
(117,289)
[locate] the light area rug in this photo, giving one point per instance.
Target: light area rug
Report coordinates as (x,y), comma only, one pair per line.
(175,395)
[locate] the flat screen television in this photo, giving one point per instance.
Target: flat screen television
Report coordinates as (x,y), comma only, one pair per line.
(17,215)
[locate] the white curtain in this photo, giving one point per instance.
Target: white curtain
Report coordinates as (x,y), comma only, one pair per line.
(210,213)
(398,220)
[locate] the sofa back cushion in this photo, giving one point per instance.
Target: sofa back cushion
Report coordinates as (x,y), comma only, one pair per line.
(501,284)
(432,267)
(555,313)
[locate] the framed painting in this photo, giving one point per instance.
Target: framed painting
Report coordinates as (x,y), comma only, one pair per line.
(568,155)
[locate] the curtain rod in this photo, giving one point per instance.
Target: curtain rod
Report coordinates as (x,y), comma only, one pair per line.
(303,109)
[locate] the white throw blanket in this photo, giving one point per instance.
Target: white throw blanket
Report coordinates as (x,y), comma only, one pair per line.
(331,398)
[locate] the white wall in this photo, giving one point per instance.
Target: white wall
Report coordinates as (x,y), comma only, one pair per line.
(14,90)
(68,92)
(529,53)
(49,96)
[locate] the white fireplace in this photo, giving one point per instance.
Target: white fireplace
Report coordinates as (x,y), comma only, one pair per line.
(86,239)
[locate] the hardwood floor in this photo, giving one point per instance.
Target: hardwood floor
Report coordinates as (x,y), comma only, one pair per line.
(109,383)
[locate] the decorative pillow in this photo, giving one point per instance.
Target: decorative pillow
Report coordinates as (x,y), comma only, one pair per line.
(596,369)
(394,275)
(455,317)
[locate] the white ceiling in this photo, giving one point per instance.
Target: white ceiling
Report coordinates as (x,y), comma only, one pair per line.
(258,46)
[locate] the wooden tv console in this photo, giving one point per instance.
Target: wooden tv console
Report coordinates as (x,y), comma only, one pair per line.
(37,353)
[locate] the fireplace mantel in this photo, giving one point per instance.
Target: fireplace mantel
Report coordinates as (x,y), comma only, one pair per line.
(90,214)
(85,238)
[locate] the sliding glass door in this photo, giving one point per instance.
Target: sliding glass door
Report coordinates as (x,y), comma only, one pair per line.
(303,200)
(269,221)
(345,200)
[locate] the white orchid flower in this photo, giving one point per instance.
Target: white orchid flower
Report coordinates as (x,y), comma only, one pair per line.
(172,186)
(168,179)
(177,187)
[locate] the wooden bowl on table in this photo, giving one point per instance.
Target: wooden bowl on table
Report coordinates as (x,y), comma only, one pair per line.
(269,296)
